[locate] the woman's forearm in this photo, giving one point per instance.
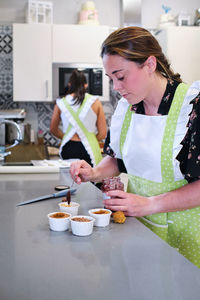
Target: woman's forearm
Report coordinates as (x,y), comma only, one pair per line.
(55,121)
(57,133)
(106,168)
(183,198)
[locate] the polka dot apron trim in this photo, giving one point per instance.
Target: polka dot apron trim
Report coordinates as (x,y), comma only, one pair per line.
(180,229)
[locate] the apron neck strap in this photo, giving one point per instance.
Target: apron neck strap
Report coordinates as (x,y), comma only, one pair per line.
(167,169)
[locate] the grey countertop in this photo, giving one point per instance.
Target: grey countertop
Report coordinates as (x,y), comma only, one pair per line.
(121,261)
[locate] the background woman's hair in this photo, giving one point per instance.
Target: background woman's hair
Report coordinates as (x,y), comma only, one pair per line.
(137,44)
(76,85)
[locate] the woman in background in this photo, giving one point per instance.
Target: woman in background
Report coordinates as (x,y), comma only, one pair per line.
(83,121)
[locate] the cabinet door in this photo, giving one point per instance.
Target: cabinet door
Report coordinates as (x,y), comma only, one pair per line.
(181,45)
(78,43)
(32,63)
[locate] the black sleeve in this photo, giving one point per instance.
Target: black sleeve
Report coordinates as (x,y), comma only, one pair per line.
(189,156)
(107,150)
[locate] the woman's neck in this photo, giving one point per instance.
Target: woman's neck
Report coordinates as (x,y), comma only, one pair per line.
(157,89)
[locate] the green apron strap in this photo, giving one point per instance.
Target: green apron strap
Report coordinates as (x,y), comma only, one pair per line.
(125,127)
(78,112)
(91,137)
(169,133)
(67,131)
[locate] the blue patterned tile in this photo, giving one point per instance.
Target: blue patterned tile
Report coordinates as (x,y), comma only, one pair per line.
(6,102)
(6,73)
(50,140)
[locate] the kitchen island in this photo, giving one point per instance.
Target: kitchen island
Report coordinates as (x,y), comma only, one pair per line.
(121,261)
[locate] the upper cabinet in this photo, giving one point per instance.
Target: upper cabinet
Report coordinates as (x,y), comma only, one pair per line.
(181,45)
(32,62)
(78,43)
(37,46)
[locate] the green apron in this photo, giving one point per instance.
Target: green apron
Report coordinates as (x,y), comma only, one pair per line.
(180,229)
(90,136)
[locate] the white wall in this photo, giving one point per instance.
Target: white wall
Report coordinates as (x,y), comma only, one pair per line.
(152,9)
(64,11)
(67,11)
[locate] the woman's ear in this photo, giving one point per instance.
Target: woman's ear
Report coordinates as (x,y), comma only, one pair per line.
(151,63)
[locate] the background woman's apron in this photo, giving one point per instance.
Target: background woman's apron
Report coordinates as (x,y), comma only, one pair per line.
(88,139)
(180,229)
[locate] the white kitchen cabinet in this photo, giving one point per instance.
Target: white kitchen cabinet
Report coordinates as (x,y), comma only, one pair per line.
(78,43)
(181,45)
(37,46)
(32,62)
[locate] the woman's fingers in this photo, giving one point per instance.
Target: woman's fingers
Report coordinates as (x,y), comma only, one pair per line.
(117,194)
(131,204)
(80,171)
(116,208)
(75,171)
(117,201)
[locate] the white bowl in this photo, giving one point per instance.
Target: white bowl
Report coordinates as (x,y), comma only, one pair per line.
(101,219)
(73,209)
(82,228)
(59,224)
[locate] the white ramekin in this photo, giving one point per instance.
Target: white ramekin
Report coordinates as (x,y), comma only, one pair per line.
(101,220)
(57,224)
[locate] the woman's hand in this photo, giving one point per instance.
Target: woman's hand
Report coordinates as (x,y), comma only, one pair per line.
(130,204)
(81,171)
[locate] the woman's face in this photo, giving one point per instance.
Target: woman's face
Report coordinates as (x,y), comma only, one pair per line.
(129,78)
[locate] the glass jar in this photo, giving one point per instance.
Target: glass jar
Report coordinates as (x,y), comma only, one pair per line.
(110,184)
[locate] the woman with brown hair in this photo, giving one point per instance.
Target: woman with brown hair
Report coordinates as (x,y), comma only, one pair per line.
(154,137)
(83,122)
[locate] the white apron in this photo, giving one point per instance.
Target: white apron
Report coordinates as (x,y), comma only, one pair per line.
(148,146)
(88,138)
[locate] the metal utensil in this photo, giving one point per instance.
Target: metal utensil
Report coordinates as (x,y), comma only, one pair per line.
(54,195)
(72,183)
(68,197)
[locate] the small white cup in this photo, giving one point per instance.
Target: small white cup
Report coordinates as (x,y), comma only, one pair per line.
(59,224)
(81,228)
(72,209)
(101,219)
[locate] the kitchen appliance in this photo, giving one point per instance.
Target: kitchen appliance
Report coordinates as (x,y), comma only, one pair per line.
(98,83)
(8,132)
(18,138)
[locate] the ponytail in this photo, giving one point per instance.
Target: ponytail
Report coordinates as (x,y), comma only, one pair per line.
(76,85)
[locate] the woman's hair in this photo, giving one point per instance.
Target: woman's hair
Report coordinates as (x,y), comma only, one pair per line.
(76,85)
(137,44)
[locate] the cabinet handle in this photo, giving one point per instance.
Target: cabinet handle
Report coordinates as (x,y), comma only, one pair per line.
(47,88)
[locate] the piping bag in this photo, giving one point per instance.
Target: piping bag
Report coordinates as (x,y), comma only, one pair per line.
(54,195)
